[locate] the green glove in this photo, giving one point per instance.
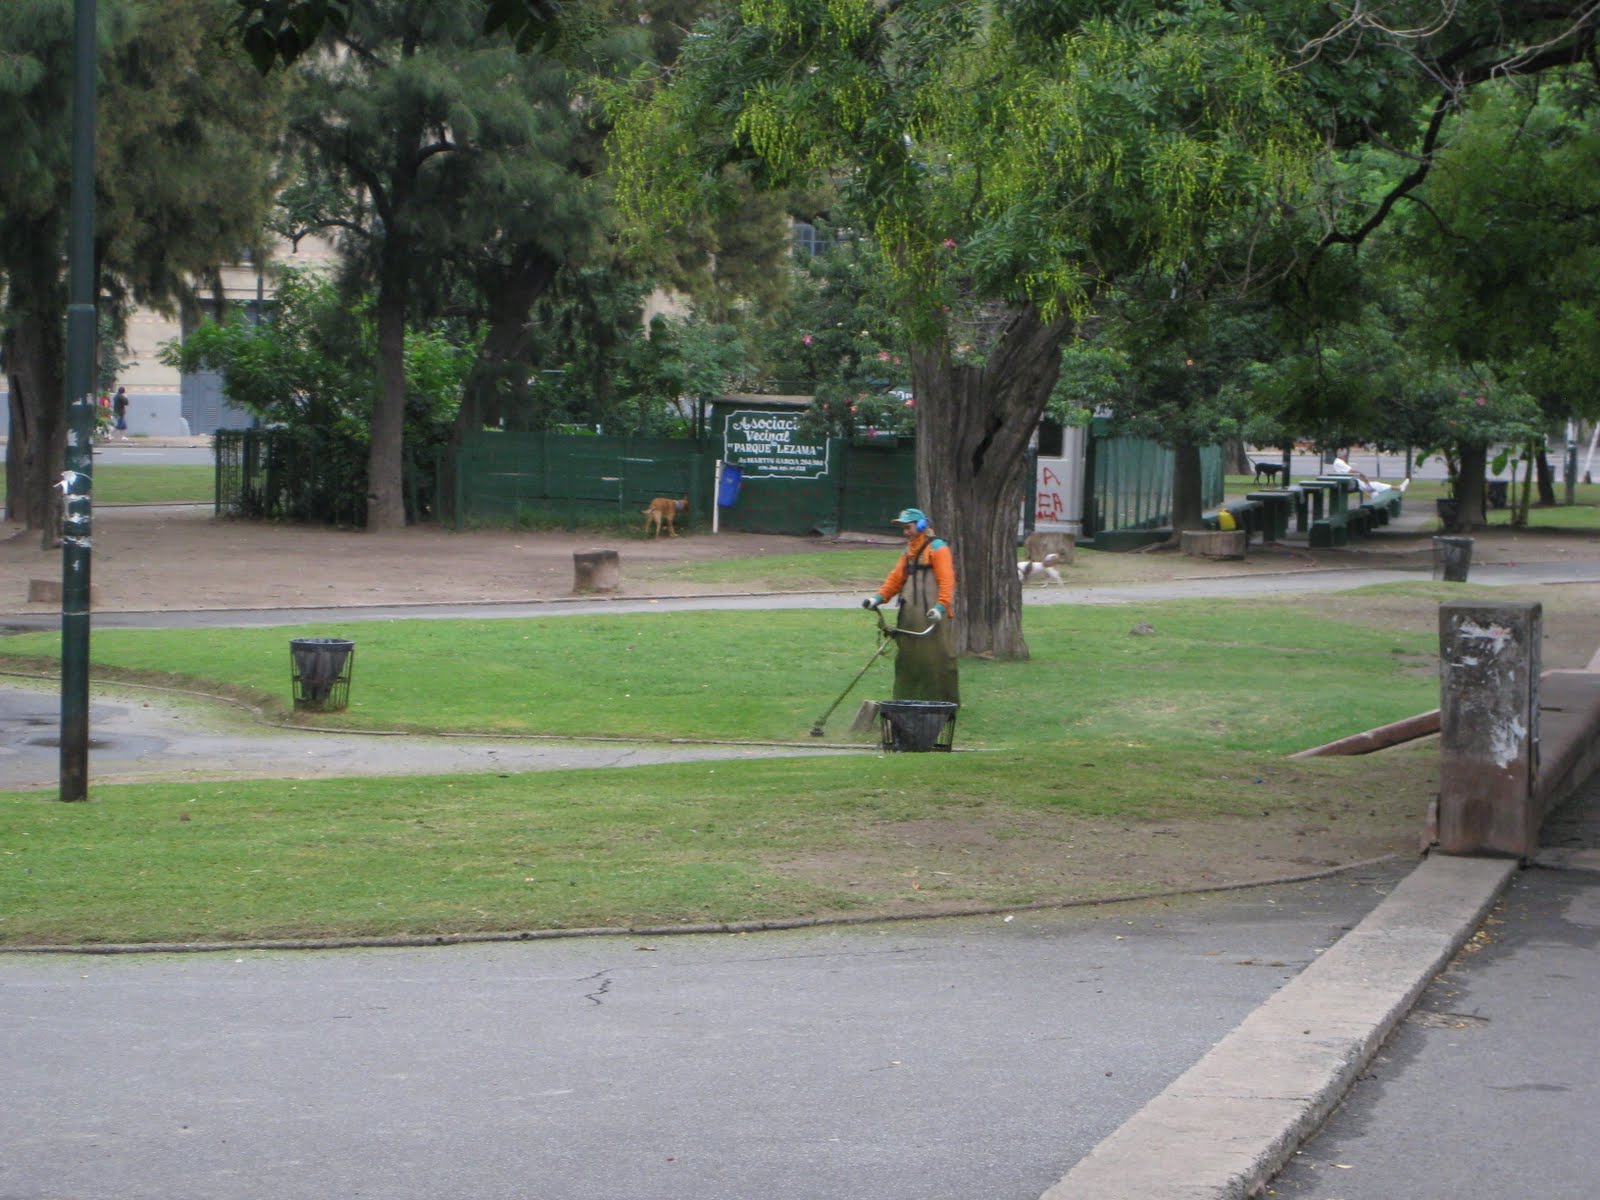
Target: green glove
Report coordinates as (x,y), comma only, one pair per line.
(936,613)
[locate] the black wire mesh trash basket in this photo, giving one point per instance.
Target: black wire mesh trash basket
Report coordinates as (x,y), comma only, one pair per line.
(320,673)
(916,725)
(1452,558)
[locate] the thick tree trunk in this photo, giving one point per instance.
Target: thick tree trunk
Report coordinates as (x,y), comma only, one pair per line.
(37,445)
(1236,460)
(973,427)
(1520,496)
(1547,479)
(1470,492)
(499,378)
(1187,500)
(386,507)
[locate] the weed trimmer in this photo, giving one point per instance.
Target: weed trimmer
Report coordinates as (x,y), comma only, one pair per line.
(886,638)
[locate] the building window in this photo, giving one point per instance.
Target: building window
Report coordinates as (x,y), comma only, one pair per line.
(804,239)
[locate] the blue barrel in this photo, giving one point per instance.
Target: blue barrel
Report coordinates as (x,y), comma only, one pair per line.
(728,488)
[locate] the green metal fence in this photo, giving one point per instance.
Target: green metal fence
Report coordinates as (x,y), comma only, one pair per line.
(310,475)
(506,477)
(291,474)
(1128,483)
(566,479)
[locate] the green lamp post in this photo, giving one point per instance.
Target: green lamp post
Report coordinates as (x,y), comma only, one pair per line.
(80,374)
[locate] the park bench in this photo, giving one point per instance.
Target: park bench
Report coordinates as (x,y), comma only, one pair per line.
(1330,499)
(1277,506)
(1329,508)
(1387,506)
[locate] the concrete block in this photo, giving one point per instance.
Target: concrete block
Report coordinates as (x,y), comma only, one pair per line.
(1213,543)
(596,570)
(1489,727)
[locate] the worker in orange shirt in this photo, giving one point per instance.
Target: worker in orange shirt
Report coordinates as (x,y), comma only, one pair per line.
(925,581)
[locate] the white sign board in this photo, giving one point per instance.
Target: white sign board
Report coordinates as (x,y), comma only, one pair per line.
(769,445)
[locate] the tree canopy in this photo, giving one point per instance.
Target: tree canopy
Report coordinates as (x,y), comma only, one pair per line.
(182,164)
(1009,162)
(445,153)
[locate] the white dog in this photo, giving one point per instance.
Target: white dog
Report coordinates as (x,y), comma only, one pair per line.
(1044,571)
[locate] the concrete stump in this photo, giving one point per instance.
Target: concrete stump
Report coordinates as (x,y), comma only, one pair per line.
(1489,728)
(596,570)
(1214,543)
(1062,544)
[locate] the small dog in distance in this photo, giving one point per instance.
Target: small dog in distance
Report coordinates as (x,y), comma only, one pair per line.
(664,510)
(1268,471)
(1044,571)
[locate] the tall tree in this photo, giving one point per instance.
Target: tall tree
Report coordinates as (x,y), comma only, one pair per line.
(1008,159)
(183,182)
(464,159)
(1504,243)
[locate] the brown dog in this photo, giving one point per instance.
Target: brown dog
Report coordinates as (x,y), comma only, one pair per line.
(664,510)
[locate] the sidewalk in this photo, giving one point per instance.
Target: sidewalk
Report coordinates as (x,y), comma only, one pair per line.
(1488,1090)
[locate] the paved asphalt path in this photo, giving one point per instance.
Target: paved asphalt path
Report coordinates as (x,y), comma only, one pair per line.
(143,452)
(1284,583)
(133,739)
(966,1059)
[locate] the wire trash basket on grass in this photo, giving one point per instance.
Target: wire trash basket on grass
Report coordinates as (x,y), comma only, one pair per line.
(917,725)
(320,673)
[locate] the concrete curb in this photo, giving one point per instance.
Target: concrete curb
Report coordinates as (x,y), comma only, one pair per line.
(1229,1123)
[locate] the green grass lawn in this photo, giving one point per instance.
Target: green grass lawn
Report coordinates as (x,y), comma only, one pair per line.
(651,846)
(768,675)
(1189,722)
(131,483)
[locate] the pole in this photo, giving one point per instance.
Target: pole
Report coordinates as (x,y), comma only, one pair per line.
(1569,466)
(76,479)
(716,498)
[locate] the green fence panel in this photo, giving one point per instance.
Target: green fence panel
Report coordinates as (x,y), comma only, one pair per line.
(1212,484)
(1129,483)
(511,476)
(879,481)
(298,475)
(788,505)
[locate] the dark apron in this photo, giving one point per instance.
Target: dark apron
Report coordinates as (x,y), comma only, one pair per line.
(924,667)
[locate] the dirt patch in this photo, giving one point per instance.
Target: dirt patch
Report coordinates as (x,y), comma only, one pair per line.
(1334,814)
(167,557)
(160,557)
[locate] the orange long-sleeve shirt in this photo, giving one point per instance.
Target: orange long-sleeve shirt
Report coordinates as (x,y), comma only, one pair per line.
(940,558)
